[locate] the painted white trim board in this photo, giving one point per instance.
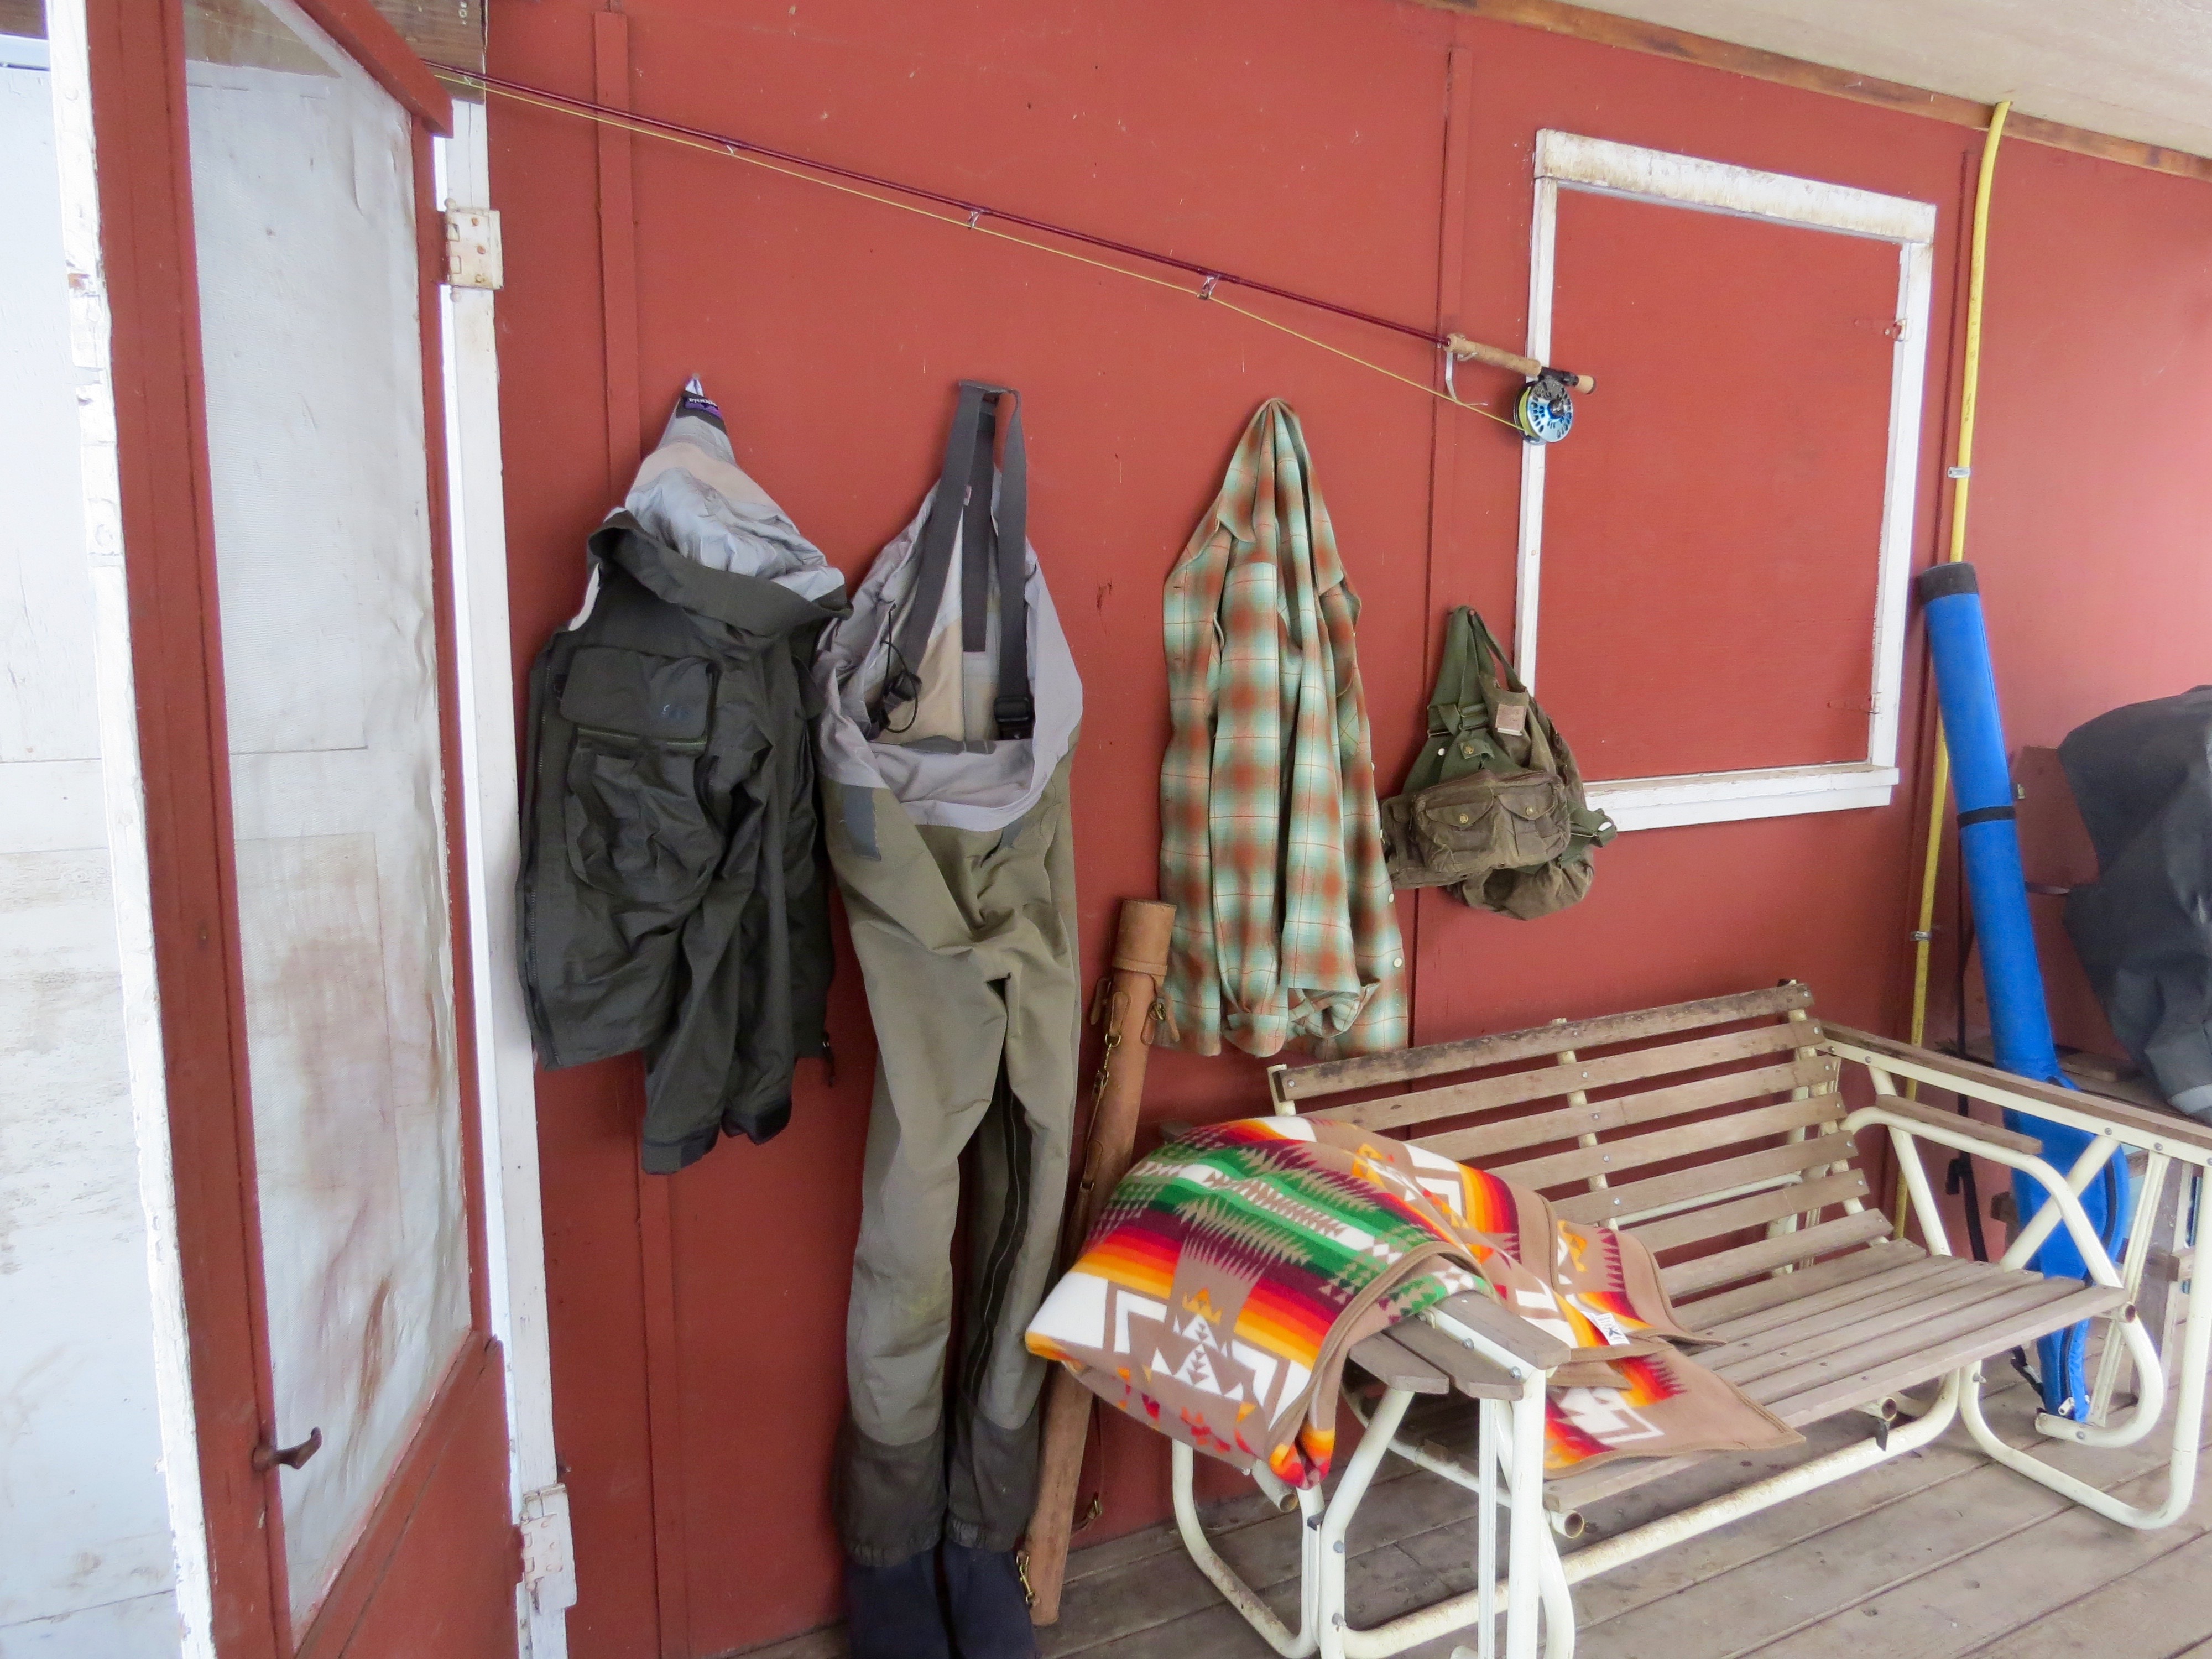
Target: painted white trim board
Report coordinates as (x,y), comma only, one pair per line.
(506,1071)
(1566,161)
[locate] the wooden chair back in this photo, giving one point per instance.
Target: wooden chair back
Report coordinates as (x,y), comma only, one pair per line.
(1686,1127)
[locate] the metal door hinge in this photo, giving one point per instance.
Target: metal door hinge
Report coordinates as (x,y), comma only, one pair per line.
(473,251)
(548,1558)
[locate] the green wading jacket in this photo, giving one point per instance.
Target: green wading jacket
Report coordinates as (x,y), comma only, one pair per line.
(674,896)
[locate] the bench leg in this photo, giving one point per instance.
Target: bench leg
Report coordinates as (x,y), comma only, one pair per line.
(1542,1617)
(1183,1464)
(2139,1422)
(1331,1618)
(1532,1541)
(1324,1624)
(2188,1422)
(1491,1593)
(1490,1424)
(1556,1577)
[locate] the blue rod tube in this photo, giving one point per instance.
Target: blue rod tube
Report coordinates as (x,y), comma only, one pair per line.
(1989,852)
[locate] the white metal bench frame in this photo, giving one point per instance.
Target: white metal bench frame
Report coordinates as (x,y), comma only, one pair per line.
(1509,1460)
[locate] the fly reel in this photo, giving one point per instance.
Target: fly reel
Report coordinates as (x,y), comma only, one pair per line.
(1545,410)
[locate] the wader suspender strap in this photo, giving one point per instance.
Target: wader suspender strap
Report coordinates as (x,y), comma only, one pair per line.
(963,499)
(1015,709)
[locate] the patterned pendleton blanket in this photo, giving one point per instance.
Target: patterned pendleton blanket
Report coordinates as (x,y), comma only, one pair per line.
(1232,1271)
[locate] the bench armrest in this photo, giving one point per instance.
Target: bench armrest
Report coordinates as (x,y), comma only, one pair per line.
(1908,1121)
(2124,1120)
(1494,1329)
(1935,1118)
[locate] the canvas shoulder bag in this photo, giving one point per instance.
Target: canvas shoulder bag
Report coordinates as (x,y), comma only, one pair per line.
(1494,807)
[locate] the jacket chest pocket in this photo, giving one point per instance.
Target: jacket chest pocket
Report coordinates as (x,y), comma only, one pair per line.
(1489,821)
(637,827)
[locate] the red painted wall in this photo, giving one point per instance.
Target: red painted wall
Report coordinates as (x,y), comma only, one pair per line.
(1757,649)
(1307,145)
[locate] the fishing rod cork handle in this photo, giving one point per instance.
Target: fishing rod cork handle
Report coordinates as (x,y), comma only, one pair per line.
(1498,357)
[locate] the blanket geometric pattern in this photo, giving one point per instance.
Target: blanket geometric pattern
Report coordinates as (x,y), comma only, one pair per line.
(1233,1269)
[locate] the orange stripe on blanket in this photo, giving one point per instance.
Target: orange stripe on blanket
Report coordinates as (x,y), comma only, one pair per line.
(1565,1445)
(1490,1206)
(1134,1260)
(1645,1382)
(1276,1317)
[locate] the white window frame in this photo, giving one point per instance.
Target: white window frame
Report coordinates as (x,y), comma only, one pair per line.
(1566,161)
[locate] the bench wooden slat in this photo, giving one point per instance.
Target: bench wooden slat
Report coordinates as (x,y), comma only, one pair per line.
(1611,1158)
(1515,1088)
(2014,1308)
(1486,1141)
(1637,1198)
(1719,1310)
(1536,1042)
(1718,1220)
(1471,1374)
(1842,1335)
(1771,1252)
(1926,1278)
(1939,1354)
(1397,1366)
(1910,1338)
(1740,1335)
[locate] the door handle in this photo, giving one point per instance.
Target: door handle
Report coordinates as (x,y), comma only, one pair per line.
(267,1456)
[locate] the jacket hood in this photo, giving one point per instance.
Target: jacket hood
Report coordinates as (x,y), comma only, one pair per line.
(691,496)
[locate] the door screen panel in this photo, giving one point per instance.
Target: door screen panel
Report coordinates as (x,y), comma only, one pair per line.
(303,192)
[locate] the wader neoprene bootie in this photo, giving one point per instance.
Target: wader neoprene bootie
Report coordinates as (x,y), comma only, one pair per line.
(950,704)
(990,1610)
(893,1613)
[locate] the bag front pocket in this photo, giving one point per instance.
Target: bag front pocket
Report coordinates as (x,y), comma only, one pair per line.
(1490,821)
(637,827)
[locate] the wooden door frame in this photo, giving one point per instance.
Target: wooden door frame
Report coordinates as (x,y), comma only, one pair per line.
(505,1062)
(135,52)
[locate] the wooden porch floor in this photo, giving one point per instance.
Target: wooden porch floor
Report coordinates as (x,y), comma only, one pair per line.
(1938,1555)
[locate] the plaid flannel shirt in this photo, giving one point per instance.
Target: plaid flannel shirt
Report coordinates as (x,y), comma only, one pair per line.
(1270,848)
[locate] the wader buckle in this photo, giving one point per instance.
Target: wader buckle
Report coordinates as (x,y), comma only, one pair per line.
(1015,714)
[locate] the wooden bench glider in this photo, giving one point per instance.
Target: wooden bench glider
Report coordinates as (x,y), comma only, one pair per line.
(1690,1127)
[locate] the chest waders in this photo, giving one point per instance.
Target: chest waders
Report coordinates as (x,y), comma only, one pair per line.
(946,740)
